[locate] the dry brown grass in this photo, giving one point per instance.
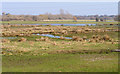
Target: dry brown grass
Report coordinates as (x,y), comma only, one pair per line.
(43,39)
(22,40)
(28,30)
(4,40)
(76,38)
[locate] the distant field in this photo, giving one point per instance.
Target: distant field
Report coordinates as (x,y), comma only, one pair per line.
(57,22)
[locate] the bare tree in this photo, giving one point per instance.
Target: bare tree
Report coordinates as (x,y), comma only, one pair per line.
(62,12)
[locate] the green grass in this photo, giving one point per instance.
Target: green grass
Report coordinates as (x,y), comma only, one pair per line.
(61,63)
(55,22)
(41,47)
(63,56)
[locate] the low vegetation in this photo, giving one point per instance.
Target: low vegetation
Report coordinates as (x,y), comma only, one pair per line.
(90,49)
(58,22)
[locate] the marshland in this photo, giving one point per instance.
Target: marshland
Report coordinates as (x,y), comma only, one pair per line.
(59,43)
(47,45)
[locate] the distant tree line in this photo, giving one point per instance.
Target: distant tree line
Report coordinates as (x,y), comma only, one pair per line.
(98,18)
(62,16)
(117,18)
(48,16)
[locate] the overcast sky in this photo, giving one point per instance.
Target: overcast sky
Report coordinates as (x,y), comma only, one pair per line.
(59,0)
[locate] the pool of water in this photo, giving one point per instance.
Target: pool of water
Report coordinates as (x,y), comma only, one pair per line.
(52,36)
(8,37)
(61,24)
(71,24)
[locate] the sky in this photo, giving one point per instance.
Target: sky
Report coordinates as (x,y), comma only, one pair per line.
(48,5)
(59,0)
(75,8)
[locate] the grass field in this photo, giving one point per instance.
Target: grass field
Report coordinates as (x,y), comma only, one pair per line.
(61,63)
(60,55)
(56,22)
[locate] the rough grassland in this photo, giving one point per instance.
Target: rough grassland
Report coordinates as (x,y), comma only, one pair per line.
(60,55)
